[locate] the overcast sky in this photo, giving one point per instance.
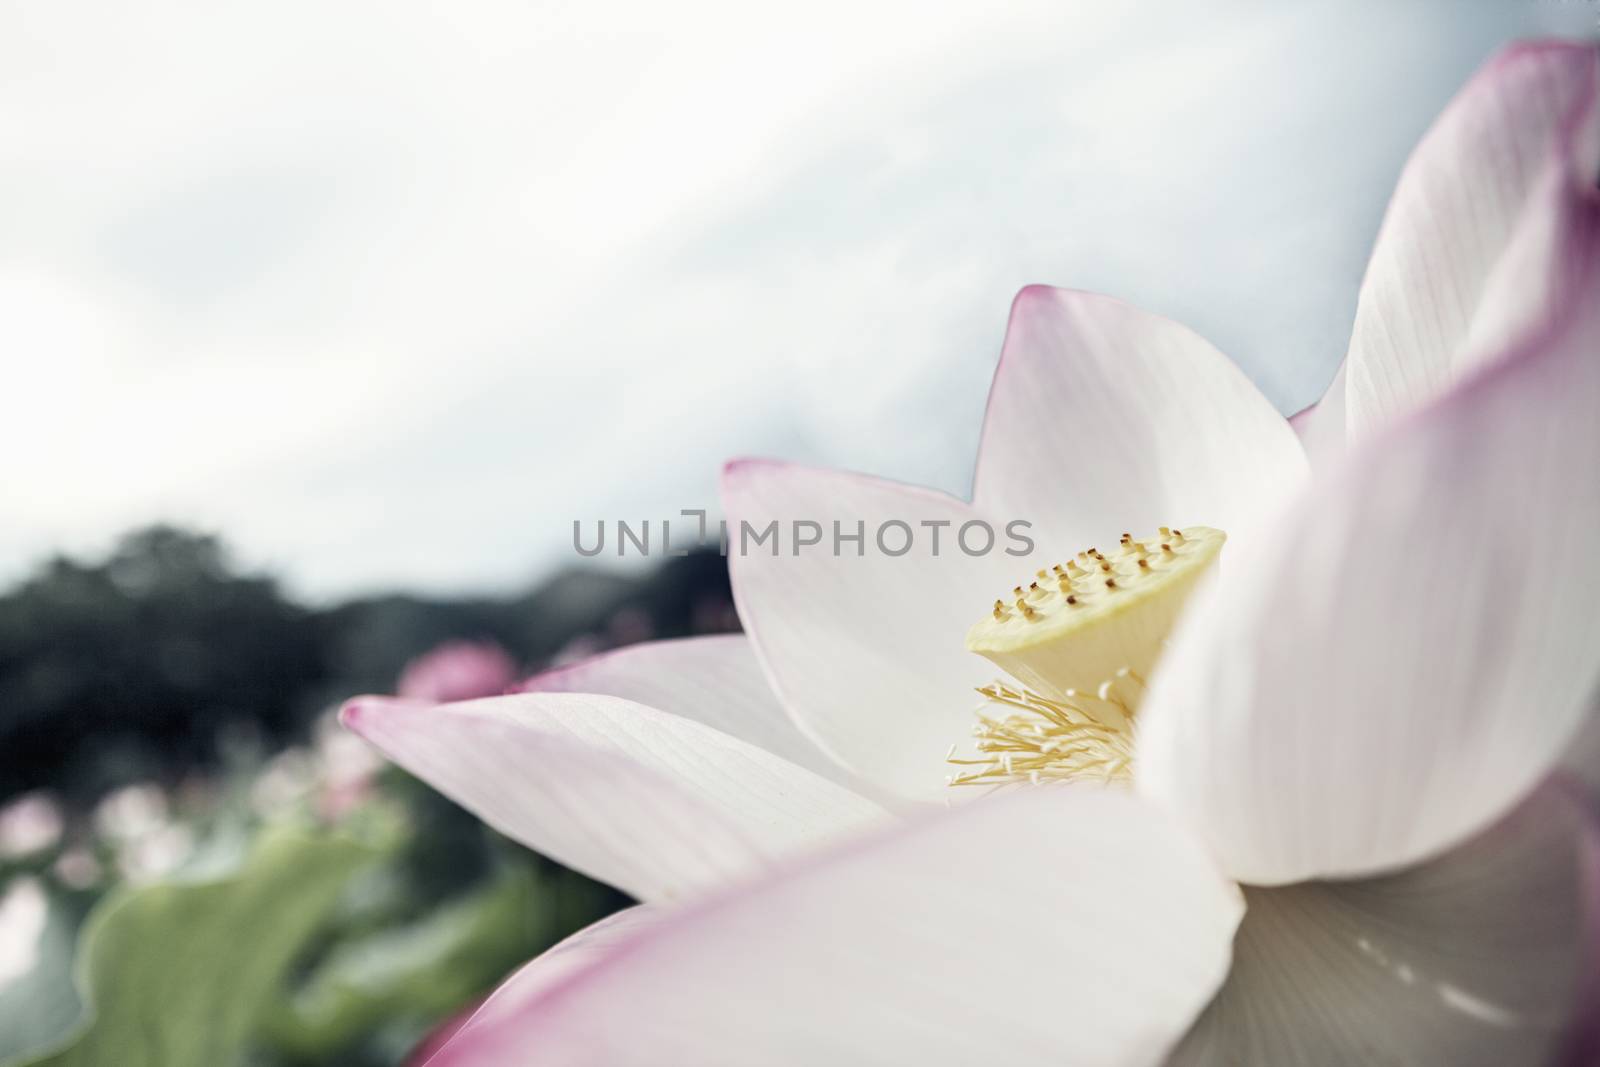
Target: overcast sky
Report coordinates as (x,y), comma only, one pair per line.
(388,294)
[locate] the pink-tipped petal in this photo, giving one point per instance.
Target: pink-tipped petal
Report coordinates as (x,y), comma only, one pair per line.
(1105,418)
(651,803)
(866,650)
(1416,643)
(1470,959)
(715,680)
(1424,318)
(1048,927)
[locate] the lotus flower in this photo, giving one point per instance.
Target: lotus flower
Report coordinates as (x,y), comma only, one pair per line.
(1356,720)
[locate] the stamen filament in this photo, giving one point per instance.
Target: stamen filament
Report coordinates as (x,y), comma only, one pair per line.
(1047,740)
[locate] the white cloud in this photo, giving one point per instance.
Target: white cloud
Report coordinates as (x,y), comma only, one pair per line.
(391,293)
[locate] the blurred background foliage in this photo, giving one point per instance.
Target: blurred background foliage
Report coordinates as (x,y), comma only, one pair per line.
(198,866)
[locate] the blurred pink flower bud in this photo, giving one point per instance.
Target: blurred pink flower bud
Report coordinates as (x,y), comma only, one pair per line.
(29,824)
(457,670)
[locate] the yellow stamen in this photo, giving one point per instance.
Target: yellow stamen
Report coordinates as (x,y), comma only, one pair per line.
(1096,631)
(1033,739)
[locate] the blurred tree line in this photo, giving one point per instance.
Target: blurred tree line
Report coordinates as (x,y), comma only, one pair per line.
(148,663)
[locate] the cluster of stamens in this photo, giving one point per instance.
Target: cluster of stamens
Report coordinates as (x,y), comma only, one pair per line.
(1080,637)
(1037,740)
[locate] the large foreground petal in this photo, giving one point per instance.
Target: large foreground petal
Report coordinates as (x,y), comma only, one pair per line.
(562,961)
(1473,958)
(863,647)
(549,968)
(1105,418)
(714,680)
(1459,202)
(1418,641)
(649,802)
(1049,927)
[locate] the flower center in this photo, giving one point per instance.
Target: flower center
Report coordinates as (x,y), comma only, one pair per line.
(1081,638)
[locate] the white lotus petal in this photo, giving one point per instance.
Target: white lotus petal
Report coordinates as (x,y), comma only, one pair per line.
(715,680)
(1470,959)
(649,802)
(1105,418)
(866,651)
(1418,642)
(1422,320)
(1047,927)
